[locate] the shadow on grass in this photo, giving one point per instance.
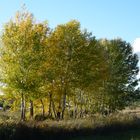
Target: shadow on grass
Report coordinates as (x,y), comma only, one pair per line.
(25,131)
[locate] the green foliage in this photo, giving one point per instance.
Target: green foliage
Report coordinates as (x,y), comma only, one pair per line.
(76,74)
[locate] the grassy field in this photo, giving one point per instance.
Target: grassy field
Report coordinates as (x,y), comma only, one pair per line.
(125,135)
(119,126)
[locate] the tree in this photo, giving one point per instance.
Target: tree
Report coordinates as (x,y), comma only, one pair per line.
(67,67)
(65,41)
(119,73)
(22,55)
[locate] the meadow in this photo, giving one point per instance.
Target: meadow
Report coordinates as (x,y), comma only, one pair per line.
(118,126)
(64,83)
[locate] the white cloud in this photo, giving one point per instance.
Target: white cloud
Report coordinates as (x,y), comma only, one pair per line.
(136,45)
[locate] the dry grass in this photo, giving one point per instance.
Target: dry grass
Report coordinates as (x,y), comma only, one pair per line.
(49,129)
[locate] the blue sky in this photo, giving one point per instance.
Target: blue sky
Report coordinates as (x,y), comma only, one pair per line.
(104,18)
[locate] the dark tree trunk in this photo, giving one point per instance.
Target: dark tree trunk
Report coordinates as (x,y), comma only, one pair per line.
(31,109)
(43,108)
(23,108)
(81,111)
(75,109)
(69,111)
(54,111)
(64,104)
(50,105)
(81,105)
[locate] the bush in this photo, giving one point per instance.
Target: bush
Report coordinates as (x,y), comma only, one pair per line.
(40,117)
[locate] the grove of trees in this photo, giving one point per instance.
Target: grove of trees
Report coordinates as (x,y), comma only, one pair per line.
(64,72)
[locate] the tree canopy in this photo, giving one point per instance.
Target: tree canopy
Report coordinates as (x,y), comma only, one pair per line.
(66,70)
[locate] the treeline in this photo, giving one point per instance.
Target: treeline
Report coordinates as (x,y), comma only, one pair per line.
(65,71)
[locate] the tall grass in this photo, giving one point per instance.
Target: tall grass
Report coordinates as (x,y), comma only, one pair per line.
(68,129)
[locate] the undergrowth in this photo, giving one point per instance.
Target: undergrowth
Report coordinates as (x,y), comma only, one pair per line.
(66,129)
